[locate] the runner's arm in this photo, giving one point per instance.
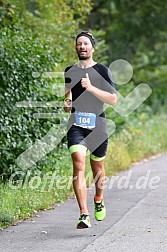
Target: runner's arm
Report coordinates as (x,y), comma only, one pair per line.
(104,96)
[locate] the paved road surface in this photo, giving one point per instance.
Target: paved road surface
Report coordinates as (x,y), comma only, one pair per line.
(136,202)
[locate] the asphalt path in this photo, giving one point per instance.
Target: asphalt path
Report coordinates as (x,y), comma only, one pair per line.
(136,203)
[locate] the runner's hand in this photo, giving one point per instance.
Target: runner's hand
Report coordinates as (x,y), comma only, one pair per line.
(85,82)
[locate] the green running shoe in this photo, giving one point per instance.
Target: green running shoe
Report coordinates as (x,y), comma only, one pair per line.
(84,222)
(100,210)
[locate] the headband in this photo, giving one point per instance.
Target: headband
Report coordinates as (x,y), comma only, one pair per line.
(88,35)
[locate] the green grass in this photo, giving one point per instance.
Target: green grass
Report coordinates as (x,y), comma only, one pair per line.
(21,199)
(21,203)
(136,141)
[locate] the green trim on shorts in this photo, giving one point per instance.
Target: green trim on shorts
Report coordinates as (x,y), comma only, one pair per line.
(96,158)
(77,148)
(83,149)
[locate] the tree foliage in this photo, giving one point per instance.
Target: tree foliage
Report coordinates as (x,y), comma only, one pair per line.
(57,21)
(136,31)
(35,39)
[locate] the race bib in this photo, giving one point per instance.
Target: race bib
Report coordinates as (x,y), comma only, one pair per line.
(85,120)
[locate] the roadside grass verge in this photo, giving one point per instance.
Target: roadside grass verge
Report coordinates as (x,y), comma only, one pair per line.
(31,193)
(24,198)
(135,143)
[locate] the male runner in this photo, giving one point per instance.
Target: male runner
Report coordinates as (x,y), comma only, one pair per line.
(88,86)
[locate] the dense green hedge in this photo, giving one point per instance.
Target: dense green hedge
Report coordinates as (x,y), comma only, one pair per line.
(21,54)
(35,37)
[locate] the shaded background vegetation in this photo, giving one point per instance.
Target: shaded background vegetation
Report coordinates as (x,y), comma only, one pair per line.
(38,36)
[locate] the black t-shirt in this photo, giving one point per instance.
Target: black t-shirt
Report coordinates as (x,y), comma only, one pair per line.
(82,100)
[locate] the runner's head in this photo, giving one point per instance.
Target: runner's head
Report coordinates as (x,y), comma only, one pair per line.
(85,45)
(88,35)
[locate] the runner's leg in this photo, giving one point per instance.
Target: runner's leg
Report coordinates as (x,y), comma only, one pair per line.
(99,177)
(79,183)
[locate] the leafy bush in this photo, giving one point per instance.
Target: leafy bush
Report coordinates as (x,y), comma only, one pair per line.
(21,54)
(34,38)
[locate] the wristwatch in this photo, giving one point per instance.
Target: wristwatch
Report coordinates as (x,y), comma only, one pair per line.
(68,100)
